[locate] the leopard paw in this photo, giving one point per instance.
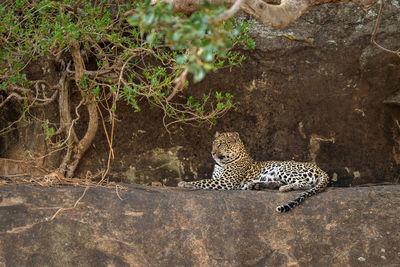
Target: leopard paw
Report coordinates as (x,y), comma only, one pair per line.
(254,186)
(286,188)
(184,184)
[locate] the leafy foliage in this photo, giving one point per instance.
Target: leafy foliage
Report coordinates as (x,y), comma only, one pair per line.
(135,63)
(198,39)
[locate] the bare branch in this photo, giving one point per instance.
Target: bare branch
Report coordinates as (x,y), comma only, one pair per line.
(45,101)
(91,131)
(9,97)
(276,16)
(179,84)
(373,35)
(231,11)
(29,94)
(64,108)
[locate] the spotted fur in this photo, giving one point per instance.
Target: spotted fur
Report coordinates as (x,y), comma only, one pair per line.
(235,170)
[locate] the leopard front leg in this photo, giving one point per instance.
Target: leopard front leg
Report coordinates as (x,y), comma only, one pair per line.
(213,184)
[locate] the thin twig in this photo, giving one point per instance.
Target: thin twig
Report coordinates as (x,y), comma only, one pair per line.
(116,190)
(373,35)
(111,152)
(73,207)
(179,84)
(104,128)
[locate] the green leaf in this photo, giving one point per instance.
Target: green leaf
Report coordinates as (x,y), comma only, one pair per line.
(190,100)
(176,36)
(149,18)
(218,96)
(181,59)
(199,74)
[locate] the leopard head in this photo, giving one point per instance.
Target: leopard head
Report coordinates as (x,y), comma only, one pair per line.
(227,147)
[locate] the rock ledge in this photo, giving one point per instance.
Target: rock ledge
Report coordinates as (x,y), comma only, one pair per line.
(169,227)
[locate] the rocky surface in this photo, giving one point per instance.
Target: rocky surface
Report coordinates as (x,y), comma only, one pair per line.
(312,91)
(147,226)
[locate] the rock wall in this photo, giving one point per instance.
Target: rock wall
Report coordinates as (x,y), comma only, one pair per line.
(311,91)
(147,226)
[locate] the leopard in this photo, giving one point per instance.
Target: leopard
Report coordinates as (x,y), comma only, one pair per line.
(235,169)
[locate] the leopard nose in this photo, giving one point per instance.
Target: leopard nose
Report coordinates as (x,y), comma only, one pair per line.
(221,156)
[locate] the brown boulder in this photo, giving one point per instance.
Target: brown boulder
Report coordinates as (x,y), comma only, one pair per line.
(169,227)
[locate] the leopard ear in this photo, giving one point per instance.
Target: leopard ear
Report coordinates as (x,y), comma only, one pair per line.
(236,136)
(216,134)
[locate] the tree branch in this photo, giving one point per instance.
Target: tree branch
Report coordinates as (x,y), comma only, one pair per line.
(231,11)
(91,131)
(9,98)
(276,16)
(179,84)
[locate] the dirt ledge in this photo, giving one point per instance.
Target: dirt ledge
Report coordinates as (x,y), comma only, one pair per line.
(170,227)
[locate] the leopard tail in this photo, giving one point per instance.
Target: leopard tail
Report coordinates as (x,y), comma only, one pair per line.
(319,187)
